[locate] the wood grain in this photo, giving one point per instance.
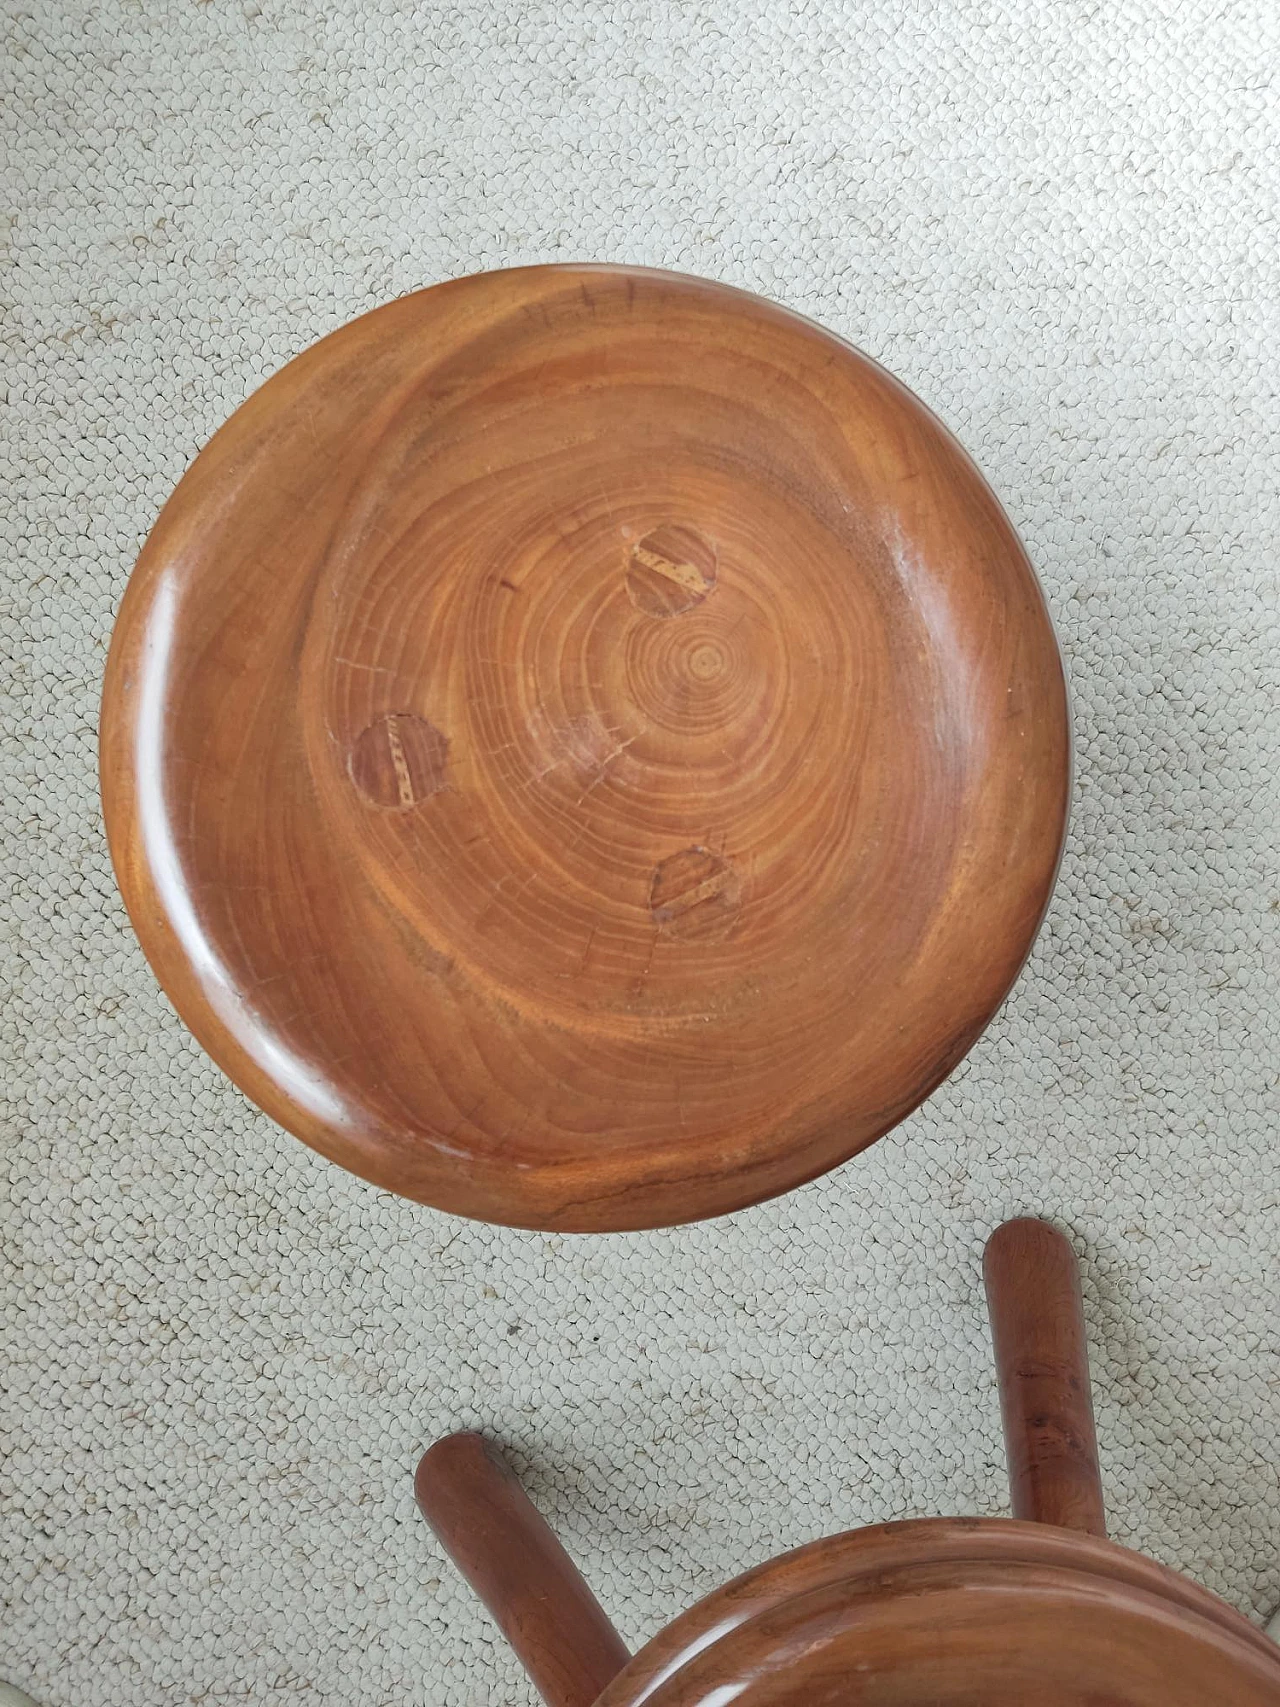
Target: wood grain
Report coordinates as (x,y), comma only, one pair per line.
(504,1548)
(956,1612)
(583,747)
(1042,1359)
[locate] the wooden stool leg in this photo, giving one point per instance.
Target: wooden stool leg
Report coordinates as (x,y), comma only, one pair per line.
(1037,1323)
(504,1548)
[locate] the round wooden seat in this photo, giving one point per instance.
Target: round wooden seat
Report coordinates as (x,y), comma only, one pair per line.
(583,747)
(956,1612)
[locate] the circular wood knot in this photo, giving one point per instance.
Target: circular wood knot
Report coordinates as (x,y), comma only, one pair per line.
(695,894)
(400,760)
(670,570)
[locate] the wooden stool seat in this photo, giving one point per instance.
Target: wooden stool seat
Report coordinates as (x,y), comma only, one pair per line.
(583,747)
(939,1612)
(949,1611)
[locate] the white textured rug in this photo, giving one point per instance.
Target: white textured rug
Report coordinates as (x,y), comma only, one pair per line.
(1059,224)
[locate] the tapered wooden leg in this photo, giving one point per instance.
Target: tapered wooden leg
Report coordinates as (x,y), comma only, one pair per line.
(1037,1323)
(504,1548)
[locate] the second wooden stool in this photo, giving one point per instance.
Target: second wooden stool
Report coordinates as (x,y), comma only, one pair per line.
(938,1612)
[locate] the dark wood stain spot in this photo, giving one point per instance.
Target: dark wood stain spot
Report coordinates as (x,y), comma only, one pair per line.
(400,760)
(695,894)
(669,571)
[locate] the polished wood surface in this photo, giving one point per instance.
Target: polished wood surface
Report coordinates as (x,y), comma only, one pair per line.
(503,1547)
(583,747)
(1042,1362)
(956,1612)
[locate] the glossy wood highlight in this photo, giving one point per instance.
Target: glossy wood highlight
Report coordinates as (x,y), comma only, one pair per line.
(584,747)
(502,1545)
(956,1612)
(924,1553)
(1042,1362)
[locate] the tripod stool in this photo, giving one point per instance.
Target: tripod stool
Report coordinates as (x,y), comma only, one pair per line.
(585,749)
(935,1612)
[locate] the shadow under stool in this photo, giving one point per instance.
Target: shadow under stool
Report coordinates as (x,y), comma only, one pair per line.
(934,1612)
